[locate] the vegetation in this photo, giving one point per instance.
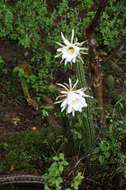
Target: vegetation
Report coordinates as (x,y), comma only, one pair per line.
(87,151)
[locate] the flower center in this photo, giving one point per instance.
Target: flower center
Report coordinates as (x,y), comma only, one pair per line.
(75,101)
(70,50)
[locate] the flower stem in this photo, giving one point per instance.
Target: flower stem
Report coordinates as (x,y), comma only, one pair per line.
(87,115)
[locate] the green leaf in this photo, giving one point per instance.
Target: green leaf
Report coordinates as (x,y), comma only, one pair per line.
(96,150)
(55,158)
(61,169)
(101,159)
(61,156)
(46,187)
(107,154)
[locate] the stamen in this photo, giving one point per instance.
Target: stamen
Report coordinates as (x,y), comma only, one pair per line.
(70,50)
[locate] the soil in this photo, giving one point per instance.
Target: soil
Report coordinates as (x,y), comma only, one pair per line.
(26,119)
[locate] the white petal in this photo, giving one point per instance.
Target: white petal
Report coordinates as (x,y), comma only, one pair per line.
(74,60)
(75,84)
(70,83)
(63,56)
(85,95)
(81,59)
(76,39)
(66,62)
(84,53)
(60,44)
(60,49)
(61,96)
(64,92)
(64,39)
(66,84)
(58,102)
(64,103)
(58,55)
(62,85)
(73,113)
(63,109)
(69,59)
(80,92)
(83,42)
(84,49)
(69,109)
(72,36)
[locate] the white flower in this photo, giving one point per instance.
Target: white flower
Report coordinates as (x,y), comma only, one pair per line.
(71,51)
(72,99)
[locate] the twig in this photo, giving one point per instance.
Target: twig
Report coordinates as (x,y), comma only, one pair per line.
(95,64)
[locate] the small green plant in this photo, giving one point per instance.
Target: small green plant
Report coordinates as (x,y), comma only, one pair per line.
(15,120)
(77,181)
(1,60)
(109,151)
(54,175)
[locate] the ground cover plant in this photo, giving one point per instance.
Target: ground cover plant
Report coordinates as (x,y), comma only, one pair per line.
(63,92)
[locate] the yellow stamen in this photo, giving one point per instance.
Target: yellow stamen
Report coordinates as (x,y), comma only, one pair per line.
(70,50)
